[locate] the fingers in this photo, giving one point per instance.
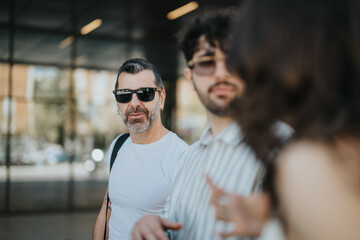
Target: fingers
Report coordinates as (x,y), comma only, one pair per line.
(153,228)
(136,235)
(247,213)
(222,213)
(227,234)
(149,228)
(220,200)
(249,230)
(170,224)
(216,192)
(153,232)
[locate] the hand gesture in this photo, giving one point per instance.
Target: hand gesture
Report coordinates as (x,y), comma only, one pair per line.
(153,227)
(248,214)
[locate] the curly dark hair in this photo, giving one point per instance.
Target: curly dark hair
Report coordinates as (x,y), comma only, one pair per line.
(214,25)
(300,60)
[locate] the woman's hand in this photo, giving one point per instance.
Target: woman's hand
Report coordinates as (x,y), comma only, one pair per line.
(248,214)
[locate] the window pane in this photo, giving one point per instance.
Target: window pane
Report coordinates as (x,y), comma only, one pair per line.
(44,14)
(4,11)
(4,44)
(41,48)
(97,125)
(94,53)
(40,169)
(4,109)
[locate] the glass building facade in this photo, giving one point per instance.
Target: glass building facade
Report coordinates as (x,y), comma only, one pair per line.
(57,112)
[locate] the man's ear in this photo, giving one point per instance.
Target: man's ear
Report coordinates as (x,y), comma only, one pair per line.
(162,99)
(188,76)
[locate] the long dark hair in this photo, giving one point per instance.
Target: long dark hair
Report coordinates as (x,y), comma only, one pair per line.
(300,60)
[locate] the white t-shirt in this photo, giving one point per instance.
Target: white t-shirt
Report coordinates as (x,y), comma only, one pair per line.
(140,181)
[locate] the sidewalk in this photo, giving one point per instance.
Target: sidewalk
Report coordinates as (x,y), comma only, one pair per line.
(57,226)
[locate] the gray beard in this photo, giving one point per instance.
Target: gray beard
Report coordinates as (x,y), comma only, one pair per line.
(137,126)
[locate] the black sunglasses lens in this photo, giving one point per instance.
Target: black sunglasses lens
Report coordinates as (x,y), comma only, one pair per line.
(123,97)
(143,94)
(146,95)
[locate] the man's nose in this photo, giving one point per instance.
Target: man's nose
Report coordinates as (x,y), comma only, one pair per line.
(221,70)
(134,100)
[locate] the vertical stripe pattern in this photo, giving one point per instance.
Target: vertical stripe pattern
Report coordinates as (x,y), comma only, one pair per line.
(229,163)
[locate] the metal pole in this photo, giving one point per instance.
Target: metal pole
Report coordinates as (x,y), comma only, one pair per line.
(72,108)
(9,118)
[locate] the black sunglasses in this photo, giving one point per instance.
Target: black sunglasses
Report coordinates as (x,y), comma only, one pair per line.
(143,94)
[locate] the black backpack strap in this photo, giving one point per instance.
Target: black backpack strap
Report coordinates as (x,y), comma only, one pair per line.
(119,142)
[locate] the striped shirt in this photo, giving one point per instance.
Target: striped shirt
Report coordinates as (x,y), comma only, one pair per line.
(229,163)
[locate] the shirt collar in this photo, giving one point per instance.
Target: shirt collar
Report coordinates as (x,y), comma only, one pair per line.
(231,135)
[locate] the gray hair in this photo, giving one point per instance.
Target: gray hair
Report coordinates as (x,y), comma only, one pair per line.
(136,65)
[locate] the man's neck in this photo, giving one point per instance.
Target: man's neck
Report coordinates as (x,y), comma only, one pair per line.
(218,123)
(153,134)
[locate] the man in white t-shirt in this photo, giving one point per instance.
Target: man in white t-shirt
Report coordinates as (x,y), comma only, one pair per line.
(142,174)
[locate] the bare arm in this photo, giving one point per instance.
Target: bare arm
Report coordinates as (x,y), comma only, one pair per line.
(317,198)
(99,226)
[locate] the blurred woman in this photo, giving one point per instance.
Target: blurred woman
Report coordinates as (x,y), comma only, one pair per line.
(300,60)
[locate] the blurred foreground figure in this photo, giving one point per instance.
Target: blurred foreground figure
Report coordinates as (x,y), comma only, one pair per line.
(300,61)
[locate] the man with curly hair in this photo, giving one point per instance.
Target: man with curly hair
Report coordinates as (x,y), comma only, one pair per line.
(219,153)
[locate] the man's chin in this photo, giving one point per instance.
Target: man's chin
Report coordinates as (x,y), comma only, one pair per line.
(136,121)
(138,127)
(220,101)
(219,110)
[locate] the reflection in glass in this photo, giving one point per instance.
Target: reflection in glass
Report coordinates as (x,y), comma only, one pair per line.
(55,15)
(190,112)
(4,43)
(101,54)
(42,48)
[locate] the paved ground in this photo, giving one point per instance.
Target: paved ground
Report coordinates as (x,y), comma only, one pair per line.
(59,226)
(35,191)
(52,196)
(48,188)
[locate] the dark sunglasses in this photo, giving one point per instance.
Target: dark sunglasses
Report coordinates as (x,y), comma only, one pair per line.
(143,94)
(204,65)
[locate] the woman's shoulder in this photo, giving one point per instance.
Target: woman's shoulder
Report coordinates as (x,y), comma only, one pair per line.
(303,157)
(314,160)
(305,148)
(316,178)
(320,157)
